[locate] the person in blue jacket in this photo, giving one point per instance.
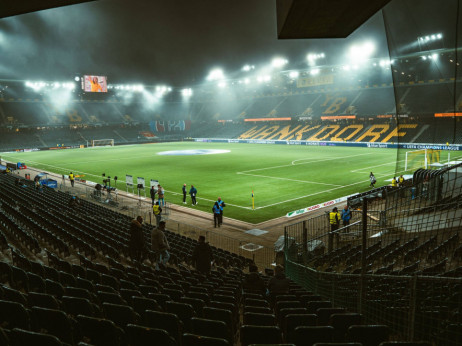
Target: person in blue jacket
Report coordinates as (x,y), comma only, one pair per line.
(193,193)
(221,205)
(216,215)
(346,215)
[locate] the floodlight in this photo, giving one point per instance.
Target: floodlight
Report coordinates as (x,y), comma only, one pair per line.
(279,62)
(247,68)
(433,37)
(222,84)
(427,38)
(77,78)
(186,92)
(216,74)
(358,53)
(424,58)
(293,74)
(434,56)
(439,36)
(314,72)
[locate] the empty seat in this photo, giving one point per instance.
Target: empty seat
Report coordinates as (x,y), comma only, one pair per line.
(121,315)
(26,337)
(141,305)
(313,306)
(260,335)
(79,306)
(36,283)
(54,288)
(341,322)
(13,295)
(368,335)
(184,311)
(54,322)
(256,319)
(144,336)
(113,298)
(13,315)
(292,321)
(166,321)
(211,328)
(42,300)
(310,335)
(199,340)
(256,302)
(99,332)
(197,304)
(325,313)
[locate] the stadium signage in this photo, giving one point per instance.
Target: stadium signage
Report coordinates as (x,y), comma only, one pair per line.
(336,143)
(317,206)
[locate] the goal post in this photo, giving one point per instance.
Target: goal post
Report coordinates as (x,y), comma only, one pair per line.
(421,158)
(102,143)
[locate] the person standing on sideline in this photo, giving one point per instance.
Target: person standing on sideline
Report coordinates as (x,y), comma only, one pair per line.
(160,195)
(153,195)
(193,193)
(394,182)
(372,179)
(71,178)
(221,205)
(216,215)
(137,243)
(157,211)
(183,189)
(159,244)
(202,256)
(346,215)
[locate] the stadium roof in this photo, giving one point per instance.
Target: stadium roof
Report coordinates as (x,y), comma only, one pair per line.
(323,18)
(14,7)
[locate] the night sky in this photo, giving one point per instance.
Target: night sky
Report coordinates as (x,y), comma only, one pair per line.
(174,42)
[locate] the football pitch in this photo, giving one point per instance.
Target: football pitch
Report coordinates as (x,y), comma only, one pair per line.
(283,178)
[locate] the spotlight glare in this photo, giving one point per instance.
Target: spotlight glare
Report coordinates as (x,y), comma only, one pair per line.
(279,62)
(246,81)
(314,72)
(77,78)
(216,74)
(439,36)
(222,85)
(293,74)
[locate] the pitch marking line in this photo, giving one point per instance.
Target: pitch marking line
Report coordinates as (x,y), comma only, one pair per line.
(288,179)
(359,170)
(332,158)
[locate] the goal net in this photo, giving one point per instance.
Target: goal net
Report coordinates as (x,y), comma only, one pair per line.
(102,142)
(421,158)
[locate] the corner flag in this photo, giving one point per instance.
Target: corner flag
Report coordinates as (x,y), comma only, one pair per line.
(253,201)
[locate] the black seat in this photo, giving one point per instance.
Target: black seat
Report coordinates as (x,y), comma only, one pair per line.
(141,305)
(166,321)
(199,340)
(256,319)
(54,322)
(13,315)
(121,315)
(79,306)
(42,300)
(210,328)
(368,335)
(144,336)
(308,336)
(100,332)
(341,322)
(184,311)
(260,335)
(292,321)
(26,337)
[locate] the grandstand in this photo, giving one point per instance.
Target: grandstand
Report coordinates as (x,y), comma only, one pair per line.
(392,276)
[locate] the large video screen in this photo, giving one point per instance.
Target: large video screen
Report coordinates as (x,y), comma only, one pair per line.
(94,84)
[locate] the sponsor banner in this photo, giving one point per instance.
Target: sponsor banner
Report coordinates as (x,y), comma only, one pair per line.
(315,81)
(318,206)
(129,180)
(453,147)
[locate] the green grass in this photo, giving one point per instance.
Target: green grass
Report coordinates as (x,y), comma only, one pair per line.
(284,178)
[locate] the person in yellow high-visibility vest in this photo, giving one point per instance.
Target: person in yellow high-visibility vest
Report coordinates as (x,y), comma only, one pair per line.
(71,178)
(157,211)
(394,182)
(334,220)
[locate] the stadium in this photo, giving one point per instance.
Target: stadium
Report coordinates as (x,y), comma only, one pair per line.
(275,173)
